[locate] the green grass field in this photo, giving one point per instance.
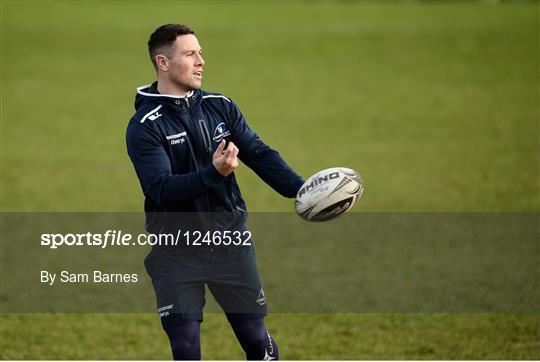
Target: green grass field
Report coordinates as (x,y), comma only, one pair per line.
(434,103)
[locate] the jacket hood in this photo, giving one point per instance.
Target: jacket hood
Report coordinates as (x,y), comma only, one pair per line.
(148,93)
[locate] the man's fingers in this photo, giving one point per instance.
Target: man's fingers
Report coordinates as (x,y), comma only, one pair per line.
(220,147)
(225,161)
(230,149)
(235,152)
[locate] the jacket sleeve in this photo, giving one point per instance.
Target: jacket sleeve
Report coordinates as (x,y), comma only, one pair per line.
(153,168)
(263,160)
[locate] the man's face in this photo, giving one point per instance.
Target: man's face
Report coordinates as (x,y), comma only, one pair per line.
(186,63)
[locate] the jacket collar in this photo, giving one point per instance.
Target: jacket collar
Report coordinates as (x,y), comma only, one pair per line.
(150,90)
(149,93)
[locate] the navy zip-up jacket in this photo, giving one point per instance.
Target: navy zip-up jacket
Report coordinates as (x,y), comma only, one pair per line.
(171,141)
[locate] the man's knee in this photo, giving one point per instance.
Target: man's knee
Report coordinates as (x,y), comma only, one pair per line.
(185,349)
(185,341)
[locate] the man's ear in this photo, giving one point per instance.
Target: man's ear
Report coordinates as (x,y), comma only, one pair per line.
(162,62)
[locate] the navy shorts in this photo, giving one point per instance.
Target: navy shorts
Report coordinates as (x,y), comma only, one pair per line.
(179,278)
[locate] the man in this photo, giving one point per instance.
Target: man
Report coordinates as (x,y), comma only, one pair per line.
(185,144)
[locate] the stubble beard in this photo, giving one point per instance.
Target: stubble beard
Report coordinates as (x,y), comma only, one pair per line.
(187,86)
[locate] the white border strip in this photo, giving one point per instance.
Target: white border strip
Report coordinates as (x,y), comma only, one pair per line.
(217,96)
(151,112)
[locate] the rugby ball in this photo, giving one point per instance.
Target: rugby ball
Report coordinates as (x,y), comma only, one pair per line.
(328,194)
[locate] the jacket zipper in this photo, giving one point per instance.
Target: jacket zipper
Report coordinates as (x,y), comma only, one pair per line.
(204,131)
(204,150)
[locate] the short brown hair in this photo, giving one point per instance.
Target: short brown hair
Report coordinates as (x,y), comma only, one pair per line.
(162,39)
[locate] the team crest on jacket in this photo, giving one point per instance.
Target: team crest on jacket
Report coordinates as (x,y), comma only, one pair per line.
(220,132)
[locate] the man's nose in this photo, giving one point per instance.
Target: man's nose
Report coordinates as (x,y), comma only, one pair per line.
(200,60)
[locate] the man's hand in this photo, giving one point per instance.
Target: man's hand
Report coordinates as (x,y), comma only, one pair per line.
(225,161)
